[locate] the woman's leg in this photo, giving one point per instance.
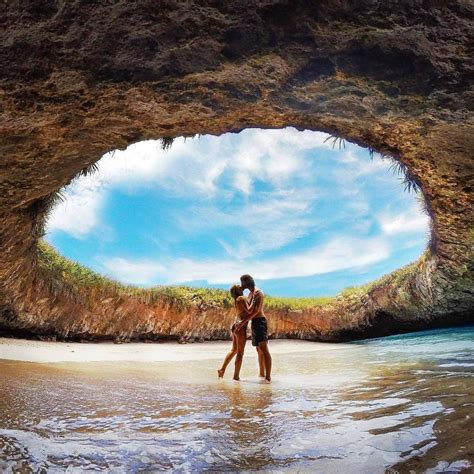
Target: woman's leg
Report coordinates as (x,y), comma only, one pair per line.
(261,363)
(228,357)
(241,338)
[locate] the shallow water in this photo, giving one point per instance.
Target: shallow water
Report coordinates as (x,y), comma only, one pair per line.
(404,403)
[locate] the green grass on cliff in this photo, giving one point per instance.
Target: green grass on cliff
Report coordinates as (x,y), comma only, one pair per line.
(65,274)
(80,278)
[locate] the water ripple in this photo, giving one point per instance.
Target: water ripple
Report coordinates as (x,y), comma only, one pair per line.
(367,408)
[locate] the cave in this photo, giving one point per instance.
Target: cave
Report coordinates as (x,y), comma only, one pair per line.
(395,78)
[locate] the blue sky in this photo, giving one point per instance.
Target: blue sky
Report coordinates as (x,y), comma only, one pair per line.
(283,205)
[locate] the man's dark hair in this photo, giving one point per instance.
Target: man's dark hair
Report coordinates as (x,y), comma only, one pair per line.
(247,281)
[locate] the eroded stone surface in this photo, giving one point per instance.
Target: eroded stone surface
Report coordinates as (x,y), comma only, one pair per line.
(79,79)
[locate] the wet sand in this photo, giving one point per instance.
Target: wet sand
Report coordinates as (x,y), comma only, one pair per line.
(403,404)
(50,352)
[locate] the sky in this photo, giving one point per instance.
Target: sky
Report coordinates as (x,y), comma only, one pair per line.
(303,217)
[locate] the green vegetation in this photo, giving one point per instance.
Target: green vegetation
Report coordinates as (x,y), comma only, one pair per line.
(78,277)
(81,279)
(166,142)
(88,170)
(71,272)
(395,279)
(410,182)
(352,291)
(338,142)
(296,304)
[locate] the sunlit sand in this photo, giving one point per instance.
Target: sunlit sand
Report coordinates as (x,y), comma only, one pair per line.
(39,351)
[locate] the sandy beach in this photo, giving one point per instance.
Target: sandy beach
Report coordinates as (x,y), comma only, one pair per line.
(50,352)
(137,407)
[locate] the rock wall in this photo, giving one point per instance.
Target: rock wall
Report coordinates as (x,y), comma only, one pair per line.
(82,78)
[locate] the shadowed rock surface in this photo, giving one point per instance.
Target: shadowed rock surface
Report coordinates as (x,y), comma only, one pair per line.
(80,79)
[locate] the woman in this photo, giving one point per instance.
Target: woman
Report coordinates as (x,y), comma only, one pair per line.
(239,337)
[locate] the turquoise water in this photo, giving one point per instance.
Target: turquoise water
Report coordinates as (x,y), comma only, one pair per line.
(404,403)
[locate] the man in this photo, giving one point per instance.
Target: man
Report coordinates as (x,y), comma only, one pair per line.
(259,326)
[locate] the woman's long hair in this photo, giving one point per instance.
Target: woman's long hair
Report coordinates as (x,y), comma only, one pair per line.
(236,291)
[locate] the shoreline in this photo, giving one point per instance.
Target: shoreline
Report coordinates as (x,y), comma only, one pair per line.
(23,350)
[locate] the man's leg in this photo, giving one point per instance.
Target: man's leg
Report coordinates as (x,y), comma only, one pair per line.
(261,363)
(241,339)
(263,347)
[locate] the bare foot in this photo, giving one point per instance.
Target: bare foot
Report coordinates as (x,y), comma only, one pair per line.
(237,379)
(266,381)
(261,376)
(220,373)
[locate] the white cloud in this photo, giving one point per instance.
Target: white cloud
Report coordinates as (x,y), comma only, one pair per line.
(270,223)
(411,220)
(194,169)
(138,271)
(266,172)
(78,214)
(338,254)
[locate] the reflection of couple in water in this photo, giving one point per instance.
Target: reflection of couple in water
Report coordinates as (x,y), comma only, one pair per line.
(249,309)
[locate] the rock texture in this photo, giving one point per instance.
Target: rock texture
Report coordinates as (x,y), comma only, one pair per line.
(82,78)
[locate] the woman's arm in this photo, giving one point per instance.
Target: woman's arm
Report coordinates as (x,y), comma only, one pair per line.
(243,305)
(253,310)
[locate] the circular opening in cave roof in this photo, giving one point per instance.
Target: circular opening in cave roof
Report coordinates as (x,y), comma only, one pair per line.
(304,212)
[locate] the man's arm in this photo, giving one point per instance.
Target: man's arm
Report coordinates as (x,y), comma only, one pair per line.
(255,308)
(243,305)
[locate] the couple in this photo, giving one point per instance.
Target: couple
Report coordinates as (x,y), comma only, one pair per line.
(249,309)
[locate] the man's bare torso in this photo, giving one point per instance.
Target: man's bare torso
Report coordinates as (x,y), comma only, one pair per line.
(255,300)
